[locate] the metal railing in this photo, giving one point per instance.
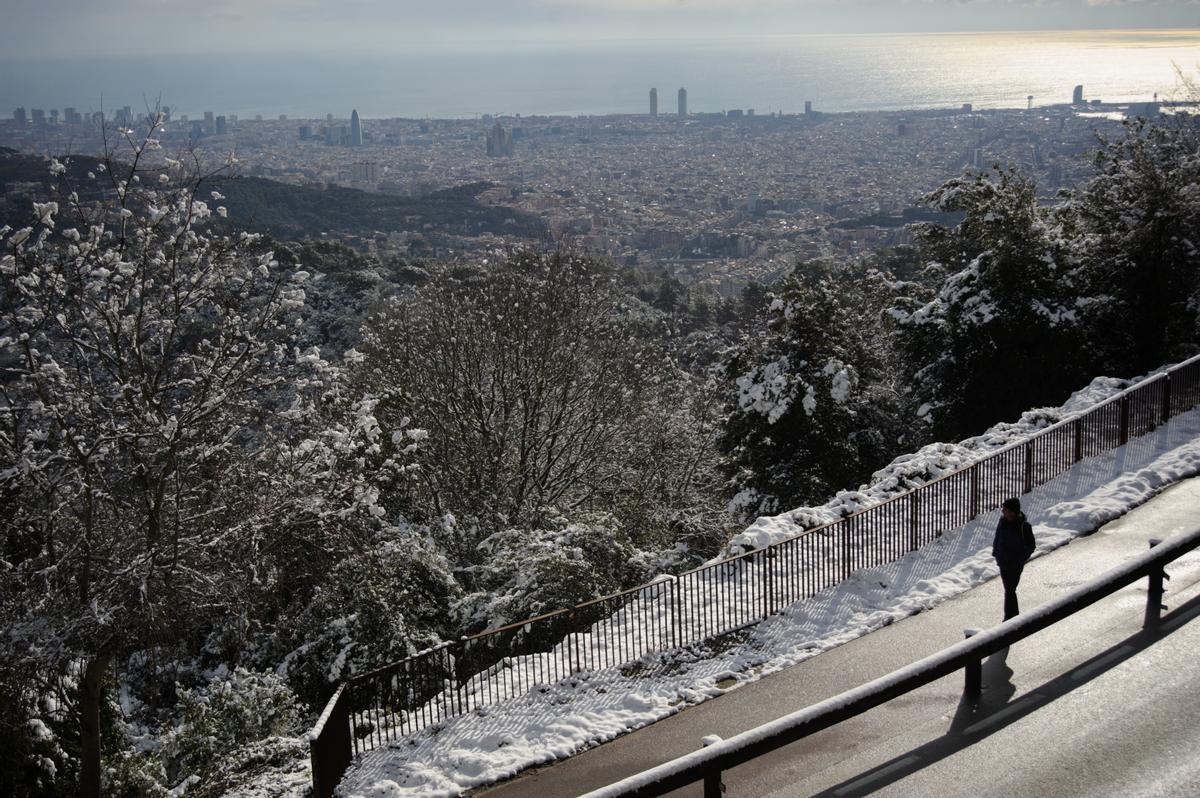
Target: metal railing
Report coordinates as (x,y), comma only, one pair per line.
(707,764)
(723,597)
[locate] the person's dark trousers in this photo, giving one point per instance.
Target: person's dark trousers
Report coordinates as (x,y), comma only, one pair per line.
(1011,576)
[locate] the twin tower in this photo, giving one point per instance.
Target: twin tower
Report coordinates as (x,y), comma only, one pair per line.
(654,102)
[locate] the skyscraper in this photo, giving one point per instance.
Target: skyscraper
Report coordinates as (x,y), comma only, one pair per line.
(499,142)
(654,102)
(683,102)
(364,172)
(1077,97)
(355,130)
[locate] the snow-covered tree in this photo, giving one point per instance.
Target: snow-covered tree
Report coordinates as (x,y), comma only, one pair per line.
(813,405)
(533,384)
(1001,331)
(530,572)
(166,457)
(1136,228)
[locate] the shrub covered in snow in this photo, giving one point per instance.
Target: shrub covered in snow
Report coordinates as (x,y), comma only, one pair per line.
(232,713)
(377,606)
(529,572)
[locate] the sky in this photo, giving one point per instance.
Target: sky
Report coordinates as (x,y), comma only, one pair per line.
(64,28)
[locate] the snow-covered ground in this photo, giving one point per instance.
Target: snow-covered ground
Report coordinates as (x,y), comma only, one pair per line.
(560,719)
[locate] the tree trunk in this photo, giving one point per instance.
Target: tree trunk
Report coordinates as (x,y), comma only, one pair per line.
(91,692)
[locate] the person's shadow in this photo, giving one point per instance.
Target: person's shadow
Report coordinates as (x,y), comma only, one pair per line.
(998,689)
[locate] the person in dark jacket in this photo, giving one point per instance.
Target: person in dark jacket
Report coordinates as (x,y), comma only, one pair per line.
(1011,547)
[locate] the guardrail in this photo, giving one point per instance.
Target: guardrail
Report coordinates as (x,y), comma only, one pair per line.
(723,597)
(707,764)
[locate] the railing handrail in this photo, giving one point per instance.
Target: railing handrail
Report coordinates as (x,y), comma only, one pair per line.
(755,742)
(319,726)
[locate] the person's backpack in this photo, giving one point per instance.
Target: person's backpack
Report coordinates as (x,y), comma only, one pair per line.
(1028,543)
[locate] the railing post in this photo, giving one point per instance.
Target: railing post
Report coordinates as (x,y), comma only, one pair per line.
(1123,421)
(844,528)
(973,672)
(674,624)
(975,491)
(1028,485)
(768,554)
(1154,593)
(914,512)
(1078,424)
(1166,397)
(713,788)
(455,653)
(330,752)
(571,661)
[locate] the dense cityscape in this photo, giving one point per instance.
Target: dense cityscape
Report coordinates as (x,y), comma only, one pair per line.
(721,198)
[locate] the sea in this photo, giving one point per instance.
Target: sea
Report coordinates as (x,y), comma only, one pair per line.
(837,73)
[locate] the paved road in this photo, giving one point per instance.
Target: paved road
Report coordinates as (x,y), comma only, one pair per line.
(1089,707)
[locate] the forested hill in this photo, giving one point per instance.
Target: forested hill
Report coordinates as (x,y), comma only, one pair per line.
(293,212)
(289,212)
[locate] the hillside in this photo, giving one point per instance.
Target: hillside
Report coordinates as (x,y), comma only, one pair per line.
(288,211)
(292,212)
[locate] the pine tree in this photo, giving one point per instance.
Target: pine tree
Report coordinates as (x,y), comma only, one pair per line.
(1001,332)
(812,404)
(1136,233)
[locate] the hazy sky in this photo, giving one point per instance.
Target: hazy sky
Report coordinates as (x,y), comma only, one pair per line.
(150,27)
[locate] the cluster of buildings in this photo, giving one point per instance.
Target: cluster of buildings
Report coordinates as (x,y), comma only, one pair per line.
(722,198)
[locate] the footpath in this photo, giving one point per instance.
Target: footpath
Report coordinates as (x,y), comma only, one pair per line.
(1090,706)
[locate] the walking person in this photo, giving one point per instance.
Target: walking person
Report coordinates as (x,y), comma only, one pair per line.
(1011,547)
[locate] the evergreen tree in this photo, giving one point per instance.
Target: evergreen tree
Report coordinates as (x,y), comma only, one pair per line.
(1001,332)
(812,403)
(1136,235)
